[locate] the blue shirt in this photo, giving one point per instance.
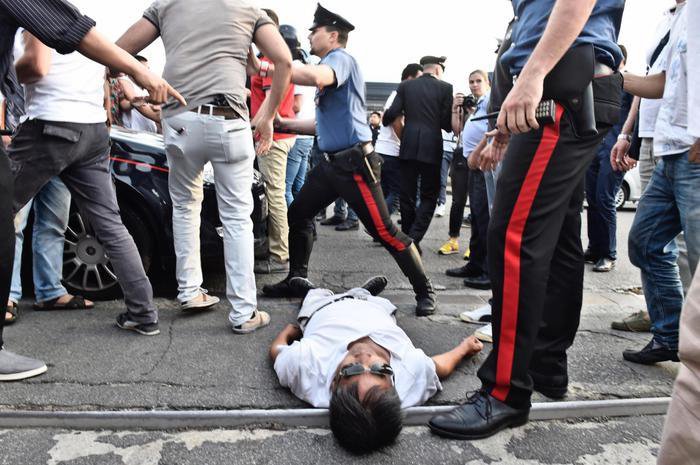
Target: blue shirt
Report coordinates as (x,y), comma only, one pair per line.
(601,30)
(341,120)
(474,131)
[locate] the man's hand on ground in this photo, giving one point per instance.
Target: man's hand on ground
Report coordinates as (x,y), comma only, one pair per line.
(293,332)
(517,114)
(694,154)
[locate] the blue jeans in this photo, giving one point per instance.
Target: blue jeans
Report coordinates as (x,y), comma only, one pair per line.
(341,210)
(391,182)
(297,164)
(602,184)
(51,209)
(670,204)
(444,171)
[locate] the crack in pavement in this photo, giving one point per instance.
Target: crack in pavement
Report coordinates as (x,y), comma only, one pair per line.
(165,352)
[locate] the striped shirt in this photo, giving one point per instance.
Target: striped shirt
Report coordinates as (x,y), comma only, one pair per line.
(56,23)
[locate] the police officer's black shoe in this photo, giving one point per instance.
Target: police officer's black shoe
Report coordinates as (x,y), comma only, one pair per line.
(348,225)
(426,305)
(375,285)
(281,289)
(480,417)
(478,282)
(466,271)
(301,286)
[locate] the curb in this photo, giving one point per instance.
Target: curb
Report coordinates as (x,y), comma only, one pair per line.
(207,419)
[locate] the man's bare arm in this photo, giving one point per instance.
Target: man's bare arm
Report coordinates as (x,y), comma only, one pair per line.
(397,125)
(651,86)
(139,36)
(566,22)
(305,127)
(289,334)
(446,363)
(35,62)
(271,44)
(98,48)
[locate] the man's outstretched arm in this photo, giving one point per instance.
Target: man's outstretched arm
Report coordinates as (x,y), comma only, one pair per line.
(446,363)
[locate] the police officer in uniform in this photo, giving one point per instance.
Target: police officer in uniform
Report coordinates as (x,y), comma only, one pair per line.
(350,168)
(564,50)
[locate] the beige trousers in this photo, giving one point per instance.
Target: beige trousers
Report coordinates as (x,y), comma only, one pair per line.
(681,438)
(273,166)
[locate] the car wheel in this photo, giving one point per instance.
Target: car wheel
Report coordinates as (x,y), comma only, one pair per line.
(87,270)
(623,194)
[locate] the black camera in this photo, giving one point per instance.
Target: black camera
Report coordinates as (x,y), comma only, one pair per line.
(470,102)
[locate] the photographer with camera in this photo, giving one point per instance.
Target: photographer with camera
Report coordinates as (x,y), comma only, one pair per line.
(470,134)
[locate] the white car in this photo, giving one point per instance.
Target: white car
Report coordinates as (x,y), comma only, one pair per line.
(631,189)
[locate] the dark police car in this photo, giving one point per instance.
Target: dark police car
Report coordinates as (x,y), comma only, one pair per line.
(140,173)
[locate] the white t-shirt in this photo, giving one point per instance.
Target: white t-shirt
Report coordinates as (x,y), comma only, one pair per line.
(133,119)
(649,108)
(308,104)
(307,366)
(72,91)
(671,132)
(694,69)
(387,141)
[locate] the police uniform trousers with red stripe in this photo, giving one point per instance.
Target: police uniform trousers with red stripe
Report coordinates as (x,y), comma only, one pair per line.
(326,182)
(535,256)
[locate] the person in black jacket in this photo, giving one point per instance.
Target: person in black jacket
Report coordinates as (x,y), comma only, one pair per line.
(426,103)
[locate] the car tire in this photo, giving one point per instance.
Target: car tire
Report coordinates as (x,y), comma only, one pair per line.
(87,270)
(623,195)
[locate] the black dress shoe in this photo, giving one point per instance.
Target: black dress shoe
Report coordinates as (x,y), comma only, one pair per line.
(651,353)
(281,289)
(590,257)
(479,282)
(300,286)
(348,225)
(466,271)
(333,221)
(375,285)
(482,416)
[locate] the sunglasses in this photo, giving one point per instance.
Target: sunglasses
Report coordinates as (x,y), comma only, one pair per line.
(356,369)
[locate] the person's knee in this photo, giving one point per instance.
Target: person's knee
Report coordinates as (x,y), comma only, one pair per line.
(363,426)
(636,249)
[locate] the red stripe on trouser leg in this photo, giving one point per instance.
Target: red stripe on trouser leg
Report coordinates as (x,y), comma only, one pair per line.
(512,250)
(376,216)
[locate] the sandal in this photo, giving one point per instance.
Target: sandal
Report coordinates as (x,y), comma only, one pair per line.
(13,310)
(75,303)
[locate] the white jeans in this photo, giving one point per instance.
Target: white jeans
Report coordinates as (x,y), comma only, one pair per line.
(192,140)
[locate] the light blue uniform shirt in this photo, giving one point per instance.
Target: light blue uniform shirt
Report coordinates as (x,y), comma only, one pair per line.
(474,131)
(601,30)
(341,115)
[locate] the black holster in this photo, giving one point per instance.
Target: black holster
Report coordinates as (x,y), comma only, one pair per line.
(570,83)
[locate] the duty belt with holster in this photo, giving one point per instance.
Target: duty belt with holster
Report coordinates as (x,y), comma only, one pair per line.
(357,159)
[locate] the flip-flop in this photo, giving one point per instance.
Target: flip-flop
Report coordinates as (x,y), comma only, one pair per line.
(12,310)
(75,303)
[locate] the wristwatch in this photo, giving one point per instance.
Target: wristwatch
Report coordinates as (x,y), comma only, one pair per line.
(626,137)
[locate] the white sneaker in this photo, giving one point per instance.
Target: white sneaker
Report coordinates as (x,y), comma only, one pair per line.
(440,210)
(485,333)
(480,315)
(207,301)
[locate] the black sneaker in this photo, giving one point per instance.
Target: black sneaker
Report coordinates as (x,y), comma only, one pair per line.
(281,289)
(651,353)
(348,225)
(604,265)
(147,329)
(590,257)
(301,286)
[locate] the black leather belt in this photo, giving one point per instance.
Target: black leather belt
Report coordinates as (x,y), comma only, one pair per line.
(214,110)
(367,148)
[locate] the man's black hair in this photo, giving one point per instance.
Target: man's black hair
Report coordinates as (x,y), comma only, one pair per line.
(365,426)
(624,52)
(343,34)
(411,71)
(376,113)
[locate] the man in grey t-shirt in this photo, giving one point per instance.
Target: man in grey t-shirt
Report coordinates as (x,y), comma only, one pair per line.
(206,45)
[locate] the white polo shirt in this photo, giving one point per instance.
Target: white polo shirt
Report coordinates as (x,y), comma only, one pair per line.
(307,366)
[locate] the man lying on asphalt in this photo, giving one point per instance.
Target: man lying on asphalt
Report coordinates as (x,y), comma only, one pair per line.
(348,354)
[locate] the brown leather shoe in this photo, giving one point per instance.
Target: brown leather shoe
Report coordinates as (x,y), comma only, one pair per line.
(637,323)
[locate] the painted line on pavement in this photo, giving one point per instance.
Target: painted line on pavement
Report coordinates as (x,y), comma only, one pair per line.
(198,419)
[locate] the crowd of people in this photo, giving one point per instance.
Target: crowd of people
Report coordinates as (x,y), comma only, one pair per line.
(557,114)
